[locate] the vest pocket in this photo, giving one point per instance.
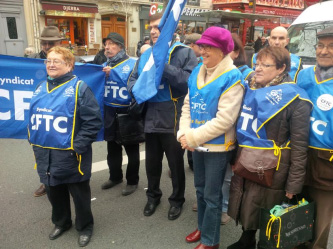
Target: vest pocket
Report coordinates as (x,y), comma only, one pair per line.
(64,165)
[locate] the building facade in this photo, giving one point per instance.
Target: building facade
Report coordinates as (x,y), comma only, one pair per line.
(13,39)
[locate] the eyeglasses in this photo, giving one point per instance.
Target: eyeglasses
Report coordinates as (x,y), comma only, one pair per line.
(50,43)
(321,46)
(55,62)
(206,48)
(111,43)
(153,27)
(262,65)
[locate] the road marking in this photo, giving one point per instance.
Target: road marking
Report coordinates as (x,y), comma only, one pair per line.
(102,165)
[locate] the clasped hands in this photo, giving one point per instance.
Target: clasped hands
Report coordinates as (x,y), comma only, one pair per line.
(184,144)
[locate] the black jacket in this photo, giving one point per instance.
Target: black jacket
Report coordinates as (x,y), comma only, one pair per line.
(163,117)
(62,166)
(100,57)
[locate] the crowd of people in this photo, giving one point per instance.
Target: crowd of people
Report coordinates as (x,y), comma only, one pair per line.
(228,115)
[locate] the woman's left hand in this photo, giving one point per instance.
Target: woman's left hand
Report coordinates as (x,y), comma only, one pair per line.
(184,144)
(289,195)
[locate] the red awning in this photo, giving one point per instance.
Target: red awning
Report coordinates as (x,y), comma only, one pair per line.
(70,7)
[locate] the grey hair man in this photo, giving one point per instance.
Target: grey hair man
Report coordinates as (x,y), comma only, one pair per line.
(318,82)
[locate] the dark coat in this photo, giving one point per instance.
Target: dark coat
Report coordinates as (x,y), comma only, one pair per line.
(100,57)
(247,197)
(163,117)
(62,166)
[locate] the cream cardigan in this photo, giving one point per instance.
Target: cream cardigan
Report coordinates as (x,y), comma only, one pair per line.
(226,116)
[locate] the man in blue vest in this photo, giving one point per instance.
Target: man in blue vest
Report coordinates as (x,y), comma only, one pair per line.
(116,101)
(279,38)
(318,82)
(161,121)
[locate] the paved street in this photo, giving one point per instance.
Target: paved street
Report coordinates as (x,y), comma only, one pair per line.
(119,221)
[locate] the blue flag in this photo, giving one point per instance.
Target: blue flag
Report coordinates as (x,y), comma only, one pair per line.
(149,80)
(18,79)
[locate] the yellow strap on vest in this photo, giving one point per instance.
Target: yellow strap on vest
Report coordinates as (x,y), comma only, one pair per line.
(79,159)
(269,228)
(277,152)
(35,167)
(228,145)
(331,159)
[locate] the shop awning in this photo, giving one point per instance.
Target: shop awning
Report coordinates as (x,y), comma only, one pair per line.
(69,9)
(235,15)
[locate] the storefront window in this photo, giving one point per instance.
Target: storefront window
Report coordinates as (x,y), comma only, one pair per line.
(12,29)
(72,30)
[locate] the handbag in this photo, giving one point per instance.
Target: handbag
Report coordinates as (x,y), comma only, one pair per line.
(129,131)
(292,227)
(257,165)
(137,111)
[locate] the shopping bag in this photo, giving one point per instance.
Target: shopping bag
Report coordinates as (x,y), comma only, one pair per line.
(288,228)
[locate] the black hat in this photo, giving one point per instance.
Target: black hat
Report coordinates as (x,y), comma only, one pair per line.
(115,37)
(328,32)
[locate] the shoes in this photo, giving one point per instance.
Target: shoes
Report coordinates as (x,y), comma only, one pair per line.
(57,232)
(193,237)
(195,207)
(174,212)
(225,218)
(202,246)
(150,208)
(40,191)
(84,240)
(129,189)
(109,184)
(240,245)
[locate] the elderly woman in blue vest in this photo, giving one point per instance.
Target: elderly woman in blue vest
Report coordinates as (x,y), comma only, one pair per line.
(272,130)
(208,120)
(64,120)
(116,102)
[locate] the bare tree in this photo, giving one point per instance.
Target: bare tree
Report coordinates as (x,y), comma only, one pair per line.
(126,7)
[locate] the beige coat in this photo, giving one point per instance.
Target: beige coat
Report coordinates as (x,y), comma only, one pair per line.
(226,116)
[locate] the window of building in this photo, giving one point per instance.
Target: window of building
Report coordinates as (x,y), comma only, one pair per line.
(12,29)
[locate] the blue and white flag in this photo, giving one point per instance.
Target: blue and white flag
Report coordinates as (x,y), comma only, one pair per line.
(149,80)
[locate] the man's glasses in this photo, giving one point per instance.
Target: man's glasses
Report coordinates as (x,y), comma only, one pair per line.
(50,43)
(55,62)
(321,46)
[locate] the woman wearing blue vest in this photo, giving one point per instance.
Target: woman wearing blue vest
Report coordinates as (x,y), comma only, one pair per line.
(64,121)
(208,120)
(272,130)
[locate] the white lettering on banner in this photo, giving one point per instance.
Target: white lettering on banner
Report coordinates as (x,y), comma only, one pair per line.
(246,118)
(317,123)
(48,118)
(16,80)
(115,90)
(19,104)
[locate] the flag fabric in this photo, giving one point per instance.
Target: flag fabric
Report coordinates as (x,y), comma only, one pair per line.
(149,80)
(19,77)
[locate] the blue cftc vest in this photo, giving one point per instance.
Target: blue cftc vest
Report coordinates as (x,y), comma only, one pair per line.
(204,101)
(52,115)
(164,91)
(321,95)
(259,107)
(116,93)
(246,72)
(294,66)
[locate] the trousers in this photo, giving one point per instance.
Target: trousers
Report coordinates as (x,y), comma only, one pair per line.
(115,160)
(156,145)
(59,197)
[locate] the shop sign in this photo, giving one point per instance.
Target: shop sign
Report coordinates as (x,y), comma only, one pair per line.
(286,3)
(193,12)
(67,13)
(70,8)
(155,8)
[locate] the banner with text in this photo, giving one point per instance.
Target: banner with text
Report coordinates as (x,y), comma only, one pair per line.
(18,79)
